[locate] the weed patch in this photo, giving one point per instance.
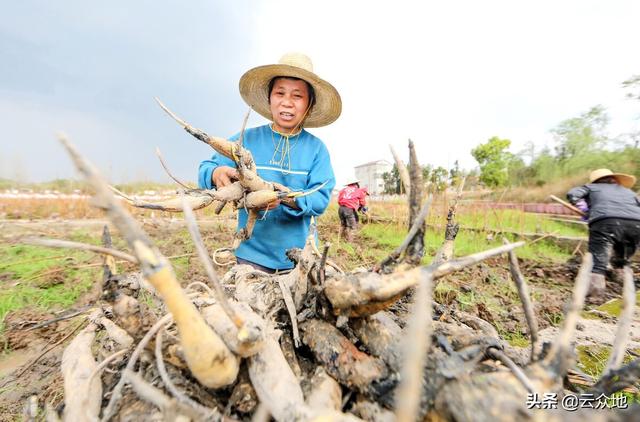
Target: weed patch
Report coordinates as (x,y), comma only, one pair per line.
(26,270)
(614,307)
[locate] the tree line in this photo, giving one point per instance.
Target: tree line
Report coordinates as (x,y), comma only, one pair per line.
(581,144)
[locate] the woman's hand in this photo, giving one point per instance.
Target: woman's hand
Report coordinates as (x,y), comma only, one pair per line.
(223,176)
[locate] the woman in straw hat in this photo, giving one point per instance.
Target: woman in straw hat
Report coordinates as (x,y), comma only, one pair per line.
(614,223)
(293,98)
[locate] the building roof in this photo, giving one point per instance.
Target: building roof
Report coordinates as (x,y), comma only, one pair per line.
(370,163)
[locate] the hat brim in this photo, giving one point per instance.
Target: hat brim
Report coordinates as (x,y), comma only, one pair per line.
(254,84)
(626,180)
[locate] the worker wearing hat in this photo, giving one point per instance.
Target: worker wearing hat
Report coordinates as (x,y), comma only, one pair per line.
(351,199)
(614,223)
(293,98)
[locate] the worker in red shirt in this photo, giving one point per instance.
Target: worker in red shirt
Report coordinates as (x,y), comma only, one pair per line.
(351,199)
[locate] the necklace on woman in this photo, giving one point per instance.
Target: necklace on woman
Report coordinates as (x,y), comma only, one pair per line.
(283,147)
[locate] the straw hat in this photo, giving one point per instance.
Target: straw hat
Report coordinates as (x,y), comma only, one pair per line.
(625,180)
(255,82)
(352,181)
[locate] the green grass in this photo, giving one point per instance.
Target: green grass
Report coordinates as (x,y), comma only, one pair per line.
(516,338)
(517,221)
(467,242)
(44,278)
(443,290)
(27,278)
(180,266)
(614,307)
(147,298)
(592,360)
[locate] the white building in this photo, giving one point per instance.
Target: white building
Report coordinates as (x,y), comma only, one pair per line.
(370,175)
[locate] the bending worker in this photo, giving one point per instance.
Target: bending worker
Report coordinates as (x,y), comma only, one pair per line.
(614,223)
(293,98)
(351,199)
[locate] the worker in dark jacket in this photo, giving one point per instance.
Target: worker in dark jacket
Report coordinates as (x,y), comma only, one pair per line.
(614,223)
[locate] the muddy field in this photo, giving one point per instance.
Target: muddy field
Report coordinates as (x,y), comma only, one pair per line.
(31,358)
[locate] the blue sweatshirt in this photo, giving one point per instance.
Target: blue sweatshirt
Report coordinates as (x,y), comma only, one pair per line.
(306,166)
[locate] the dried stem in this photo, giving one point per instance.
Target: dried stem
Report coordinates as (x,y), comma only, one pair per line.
(459,263)
(291,310)
(517,372)
(561,344)
(198,199)
(220,206)
(172,410)
(104,200)
(415,249)
(208,358)
(148,392)
(364,294)
(313,230)
(166,169)
(417,341)
(116,393)
(402,170)
(244,125)
(204,286)
(417,224)
(66,244)
(617,379)
(523,292)
(121,194)
(109,268)
(445,252)
(104,364)
(205,258)
(170,113)
(69,315)
(323,261)
(624,322)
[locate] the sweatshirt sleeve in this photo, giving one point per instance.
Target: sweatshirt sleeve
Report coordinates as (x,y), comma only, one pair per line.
(363,199)
(315,203)
(575,194)
(208,166)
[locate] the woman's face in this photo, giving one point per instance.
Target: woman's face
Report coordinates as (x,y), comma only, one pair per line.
(289,100)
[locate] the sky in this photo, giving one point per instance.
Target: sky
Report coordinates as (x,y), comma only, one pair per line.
(448,75)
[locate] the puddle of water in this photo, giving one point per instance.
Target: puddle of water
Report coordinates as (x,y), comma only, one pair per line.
(14,360)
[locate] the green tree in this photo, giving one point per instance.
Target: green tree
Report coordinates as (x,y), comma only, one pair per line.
(545,167)
(391,180)
(493,159)
(455,174)
(426,172)
(517,171)
(439,178)
(582,135)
